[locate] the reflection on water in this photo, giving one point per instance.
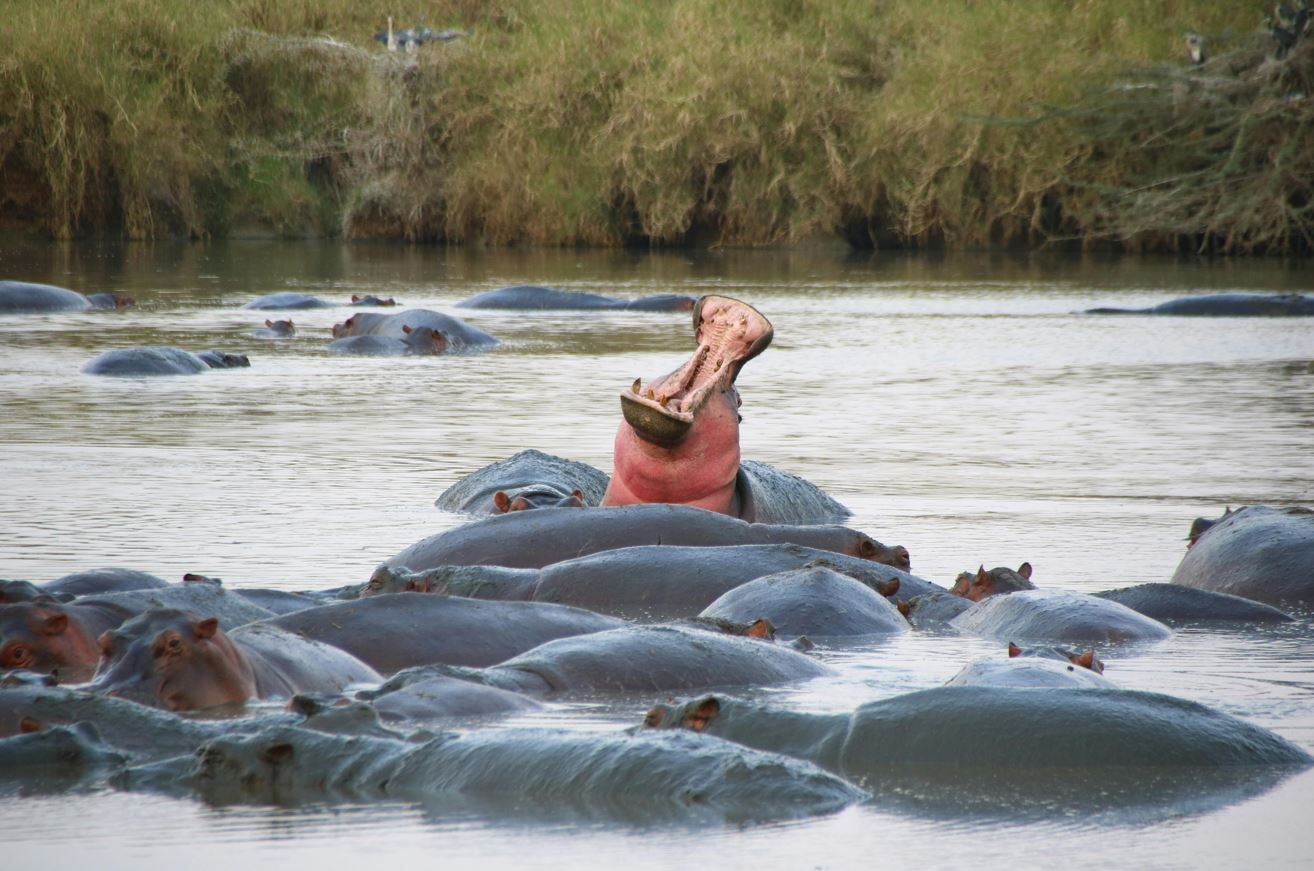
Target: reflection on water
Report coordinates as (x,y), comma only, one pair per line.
(960,406)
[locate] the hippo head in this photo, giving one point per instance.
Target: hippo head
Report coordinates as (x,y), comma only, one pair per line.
(42,636)
(998,580)
(536,496)
(678,441)
(22,591)
(1201,525)
(387,579)
(1083,660)
(694,716)
(175,660)
(280,328)
(424,340)
(371,299)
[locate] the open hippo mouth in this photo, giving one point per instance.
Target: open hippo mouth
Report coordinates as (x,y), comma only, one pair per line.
(729,334)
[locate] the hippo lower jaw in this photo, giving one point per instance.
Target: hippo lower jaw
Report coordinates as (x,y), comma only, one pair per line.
(729,334)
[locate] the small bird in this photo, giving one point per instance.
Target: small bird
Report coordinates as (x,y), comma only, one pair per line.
(1195,45)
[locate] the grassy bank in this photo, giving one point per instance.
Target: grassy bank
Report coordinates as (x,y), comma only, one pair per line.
(604,122)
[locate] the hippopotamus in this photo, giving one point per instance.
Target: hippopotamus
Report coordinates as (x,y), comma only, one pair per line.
(58,757)
(1011,728)
(1257,552)
(442,697)
(287,300)
(25,591)
(533,539)
(532,296)
(1173,603)
(107,580)
(815,601)
(678,440)
(417,341)
(460,335)
(271,602)
(371,299)
(1225,305)
(1057,615)
(23,296)
(934,610)
(992,583)
(177,660)
(207,599)
(53,637)
(636,659)
(540,772)
(1034,667)
(157,360)
(528,479)
(408,629)
(274,330)
(648,582)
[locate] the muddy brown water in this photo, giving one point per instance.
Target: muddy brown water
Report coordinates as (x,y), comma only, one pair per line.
(961,406)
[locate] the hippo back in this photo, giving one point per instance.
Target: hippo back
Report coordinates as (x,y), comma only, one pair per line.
(1257,552)
(285,663)
(23,296)
(1057,615)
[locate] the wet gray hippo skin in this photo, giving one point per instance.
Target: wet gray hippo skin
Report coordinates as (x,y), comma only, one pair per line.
(274,330)
(180,661)
(935,610)
(287,300)
(533,539)
(1225,305)
(408,629)
(57,758)
(1034,667)
(54,637)
(414,342)
(637,659)
(818,602)
(1057,615)
(1173,603)
(158,360)
(540,479)
(207,599)
(460,335)
(532,296)
(25,591)
(999,728)
(107,580)
(21,296)
(444,697)
(371,299)
(1257,552)
(648,582)
(535,772)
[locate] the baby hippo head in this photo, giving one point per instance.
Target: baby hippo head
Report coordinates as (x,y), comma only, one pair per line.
(984,583)
(175,660)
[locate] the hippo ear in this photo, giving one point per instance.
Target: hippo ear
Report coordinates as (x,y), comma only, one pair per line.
(1025,570)
(702,713)
(55,624)
(1013,650)
(206,628)
(578,494)
(276,753)
(982,576)
(355,297)
(406,328)
(761,628)
(268,322)
(27,726)
(904,609)
(653,719)
(501,502)
(888,588)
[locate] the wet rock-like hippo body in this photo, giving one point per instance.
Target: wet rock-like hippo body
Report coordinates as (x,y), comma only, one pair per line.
(1226,305)
(408,629)
(534,772)
(59,757)
(533,539)
(1174,603)
(206,599)
(1057,615)
(176,660)
(540,480)
(459,334)
(640,659)
(416,342)
(532,296)
(815,601)
(287,300)
(275,330)
(443,697)
(1009,729)
(107,580)
(1035,667)
(648,582)
(18,297)
(160,360)
(1257,552)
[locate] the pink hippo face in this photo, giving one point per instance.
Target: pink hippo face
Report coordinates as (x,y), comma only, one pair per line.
(998,580)
(41,636)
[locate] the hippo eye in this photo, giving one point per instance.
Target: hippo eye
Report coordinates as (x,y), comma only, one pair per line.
(16,655)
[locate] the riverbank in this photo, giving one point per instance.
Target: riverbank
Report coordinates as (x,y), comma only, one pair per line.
(604,123)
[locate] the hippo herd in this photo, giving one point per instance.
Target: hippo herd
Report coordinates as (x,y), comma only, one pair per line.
(687,579)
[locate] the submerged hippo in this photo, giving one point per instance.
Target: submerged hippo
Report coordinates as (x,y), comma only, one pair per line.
(678,441)
(176,660)
(991,583)
(207,599)
(1173,603)
(408,629)
(106,580)
(532,296)
(287,300)
(1257,552)
(61,756)
(1035,667)
(275,330)
(442,697)
(1009,728)
(1057,615)
(648,582)
(533,539)
(23,296)
(638,659)
(24,591)
(815,601)
(460,335)
(54,637)
(371,299)
(528,479)
(539,772)
(158,360)
(1225,305)
(417,341)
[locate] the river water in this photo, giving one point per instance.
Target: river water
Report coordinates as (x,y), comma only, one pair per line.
(961,406)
